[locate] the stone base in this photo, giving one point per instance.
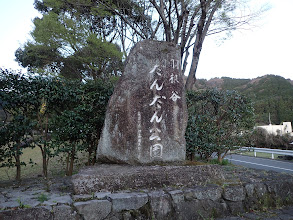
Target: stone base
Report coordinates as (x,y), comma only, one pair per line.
(113,177)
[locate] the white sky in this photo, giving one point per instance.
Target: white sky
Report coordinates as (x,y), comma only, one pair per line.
(266,49)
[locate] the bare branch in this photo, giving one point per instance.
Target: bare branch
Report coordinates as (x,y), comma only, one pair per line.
(211,15)
(123,18)
(191,23)
(160,10)
(156,29)
(180,18)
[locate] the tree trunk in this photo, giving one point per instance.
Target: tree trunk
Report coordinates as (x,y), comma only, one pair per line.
(95,153)
(192,155)
(92,154)
(17,162)
(67,164)
(202,29)
(45,161)
(220,158)
(70,171)
(197,46)
(44,151)
(89,156)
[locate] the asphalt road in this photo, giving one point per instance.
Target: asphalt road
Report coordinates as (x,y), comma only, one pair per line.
(261,163)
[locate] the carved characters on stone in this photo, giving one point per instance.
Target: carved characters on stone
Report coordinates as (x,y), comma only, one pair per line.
(146,116)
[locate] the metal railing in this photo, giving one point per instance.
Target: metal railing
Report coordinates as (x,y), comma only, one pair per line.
(267,150)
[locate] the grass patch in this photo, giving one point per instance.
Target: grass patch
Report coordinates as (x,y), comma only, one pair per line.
(43,197)
(194,163)
(258,154)
(56,165)
(199,161)
(223,163)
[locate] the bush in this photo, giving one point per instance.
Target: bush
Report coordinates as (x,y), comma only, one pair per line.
(261,138)
(217,122)
(54,114)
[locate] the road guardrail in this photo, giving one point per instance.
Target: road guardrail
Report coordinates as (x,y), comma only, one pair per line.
(267,150)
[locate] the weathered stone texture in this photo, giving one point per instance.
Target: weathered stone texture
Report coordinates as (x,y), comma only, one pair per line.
(65,212)
(190,201)
(146,115)
(208,192)
(27,214)
(161,205)
(128,201)
(177,196)
(121,177)
(94,209)
(189,210)
(234,193)
(235,207)
(55,199)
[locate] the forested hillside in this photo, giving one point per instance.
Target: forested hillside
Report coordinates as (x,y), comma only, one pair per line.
(270,94)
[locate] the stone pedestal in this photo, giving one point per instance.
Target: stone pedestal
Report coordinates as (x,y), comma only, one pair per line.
(111,177)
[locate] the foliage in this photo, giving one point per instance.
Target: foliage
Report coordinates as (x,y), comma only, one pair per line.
(67,46)
(43,197)
(37,99)
(94,101)
(217,122)
(269,94)
(13,139)
(15,133)
(223,163)
(56,115)
(261,138)
(72,48)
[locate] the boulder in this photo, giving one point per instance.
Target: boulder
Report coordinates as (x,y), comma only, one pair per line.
(146,116)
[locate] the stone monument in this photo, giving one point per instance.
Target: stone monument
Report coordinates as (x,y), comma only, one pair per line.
(146,116)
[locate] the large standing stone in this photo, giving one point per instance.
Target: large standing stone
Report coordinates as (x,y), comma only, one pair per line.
(146,116)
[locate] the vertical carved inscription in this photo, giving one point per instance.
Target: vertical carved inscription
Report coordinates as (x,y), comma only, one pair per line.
(157,102)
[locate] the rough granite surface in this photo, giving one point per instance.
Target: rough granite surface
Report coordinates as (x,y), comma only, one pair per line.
(120,177)
(146,116)
(241,194)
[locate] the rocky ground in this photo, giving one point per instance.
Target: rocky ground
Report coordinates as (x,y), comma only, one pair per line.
(241,174)
(40,193)
(285,213)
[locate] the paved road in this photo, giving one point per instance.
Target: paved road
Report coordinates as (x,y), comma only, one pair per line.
(261,163)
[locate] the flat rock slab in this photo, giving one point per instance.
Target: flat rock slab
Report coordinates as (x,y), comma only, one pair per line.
(114,177)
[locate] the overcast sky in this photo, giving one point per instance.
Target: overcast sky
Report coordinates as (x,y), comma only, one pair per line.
(266,49)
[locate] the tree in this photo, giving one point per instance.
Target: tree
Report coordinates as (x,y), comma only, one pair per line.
(78,128)
(92,109)
(68,136)
(15,133)
(67,46)
(217,122)
(54,96)
(183,22)
(261,138)
(31,102)
(53,114)
(13,139)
